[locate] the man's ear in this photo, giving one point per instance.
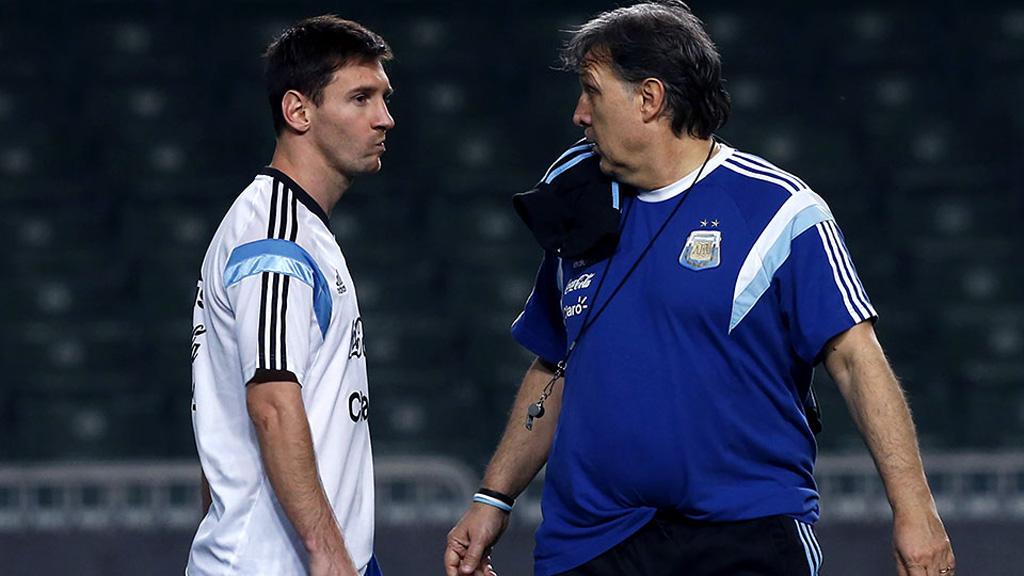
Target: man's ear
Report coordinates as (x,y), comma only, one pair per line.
(652,99)
(297,111)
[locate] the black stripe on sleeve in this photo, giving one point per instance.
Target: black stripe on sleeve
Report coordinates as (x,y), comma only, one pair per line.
(283,365)
(261,352)
(304,196)
(274,339)
(285,199)
(273,208)
(283,225)
(295,218)
(263,375)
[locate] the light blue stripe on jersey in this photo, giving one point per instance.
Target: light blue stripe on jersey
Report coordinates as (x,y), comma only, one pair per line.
(282,257)
(773,259)
(615,194)
(575,148)
(566,166)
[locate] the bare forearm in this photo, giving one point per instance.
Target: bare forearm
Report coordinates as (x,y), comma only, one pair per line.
(287,451)
(878,407)
(857,364)
(521,452)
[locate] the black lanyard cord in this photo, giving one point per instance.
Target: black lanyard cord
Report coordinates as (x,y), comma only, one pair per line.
(536,410)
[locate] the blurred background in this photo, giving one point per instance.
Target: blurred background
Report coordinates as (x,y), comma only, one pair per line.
(128,127)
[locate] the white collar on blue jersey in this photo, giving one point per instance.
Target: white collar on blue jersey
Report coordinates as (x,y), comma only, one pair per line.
(677,187)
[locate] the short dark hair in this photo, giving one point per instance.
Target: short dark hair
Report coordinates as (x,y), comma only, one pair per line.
(305,57)
(662,40)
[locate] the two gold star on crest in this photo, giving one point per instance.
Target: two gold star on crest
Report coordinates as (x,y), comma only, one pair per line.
(704,223)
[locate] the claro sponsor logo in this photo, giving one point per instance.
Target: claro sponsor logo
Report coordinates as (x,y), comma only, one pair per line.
(577,308)
(358,407)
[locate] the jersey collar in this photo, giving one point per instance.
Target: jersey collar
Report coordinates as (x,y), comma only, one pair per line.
(300,194)
(677,187)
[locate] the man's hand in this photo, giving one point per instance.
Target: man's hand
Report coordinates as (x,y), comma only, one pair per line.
(470,541)
(520,455)
(920,544)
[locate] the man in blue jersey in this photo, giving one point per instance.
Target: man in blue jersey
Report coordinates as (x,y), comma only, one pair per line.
(677,442)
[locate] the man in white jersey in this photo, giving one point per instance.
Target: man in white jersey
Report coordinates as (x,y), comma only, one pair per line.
(280,396)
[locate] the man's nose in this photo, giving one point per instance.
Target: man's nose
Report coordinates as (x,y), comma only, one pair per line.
(385,121)
(581,116)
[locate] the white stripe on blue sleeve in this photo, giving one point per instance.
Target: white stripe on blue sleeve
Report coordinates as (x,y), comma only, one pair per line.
(826,245)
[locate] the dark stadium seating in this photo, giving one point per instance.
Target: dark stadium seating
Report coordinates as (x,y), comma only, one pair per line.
(122,145)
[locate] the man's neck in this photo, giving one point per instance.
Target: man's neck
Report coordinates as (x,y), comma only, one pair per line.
(672,159)
(324,184)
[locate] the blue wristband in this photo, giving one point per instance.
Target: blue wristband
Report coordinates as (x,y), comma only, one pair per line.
(491,501)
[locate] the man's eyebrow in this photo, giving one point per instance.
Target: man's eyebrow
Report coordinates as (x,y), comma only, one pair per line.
(370,89)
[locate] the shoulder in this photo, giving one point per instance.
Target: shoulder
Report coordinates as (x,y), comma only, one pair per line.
(760,188)
(243,220)
(751,173)
(273,207)
(265,218)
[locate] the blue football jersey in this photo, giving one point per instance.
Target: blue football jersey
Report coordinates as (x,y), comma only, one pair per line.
(686,393)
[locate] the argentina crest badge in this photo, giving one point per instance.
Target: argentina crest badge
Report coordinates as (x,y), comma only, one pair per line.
(703,250)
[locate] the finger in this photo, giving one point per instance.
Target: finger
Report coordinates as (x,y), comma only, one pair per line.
(917,570)
(485,569)
(451,562)
(950,561)
(942,563)
(471,559)
(457,545)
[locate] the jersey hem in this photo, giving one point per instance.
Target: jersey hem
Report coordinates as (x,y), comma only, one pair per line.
(559,564)
(523,336)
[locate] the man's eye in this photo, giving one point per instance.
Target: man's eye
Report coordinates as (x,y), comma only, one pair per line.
(361,98)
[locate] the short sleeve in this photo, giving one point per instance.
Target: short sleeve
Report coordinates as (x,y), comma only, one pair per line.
(272,288)
(820,292)
(539,328)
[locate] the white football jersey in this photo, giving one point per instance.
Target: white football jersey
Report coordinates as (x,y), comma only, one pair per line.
(275,298)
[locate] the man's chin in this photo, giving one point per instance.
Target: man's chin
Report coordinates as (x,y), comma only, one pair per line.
(372,166)
(606,167)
